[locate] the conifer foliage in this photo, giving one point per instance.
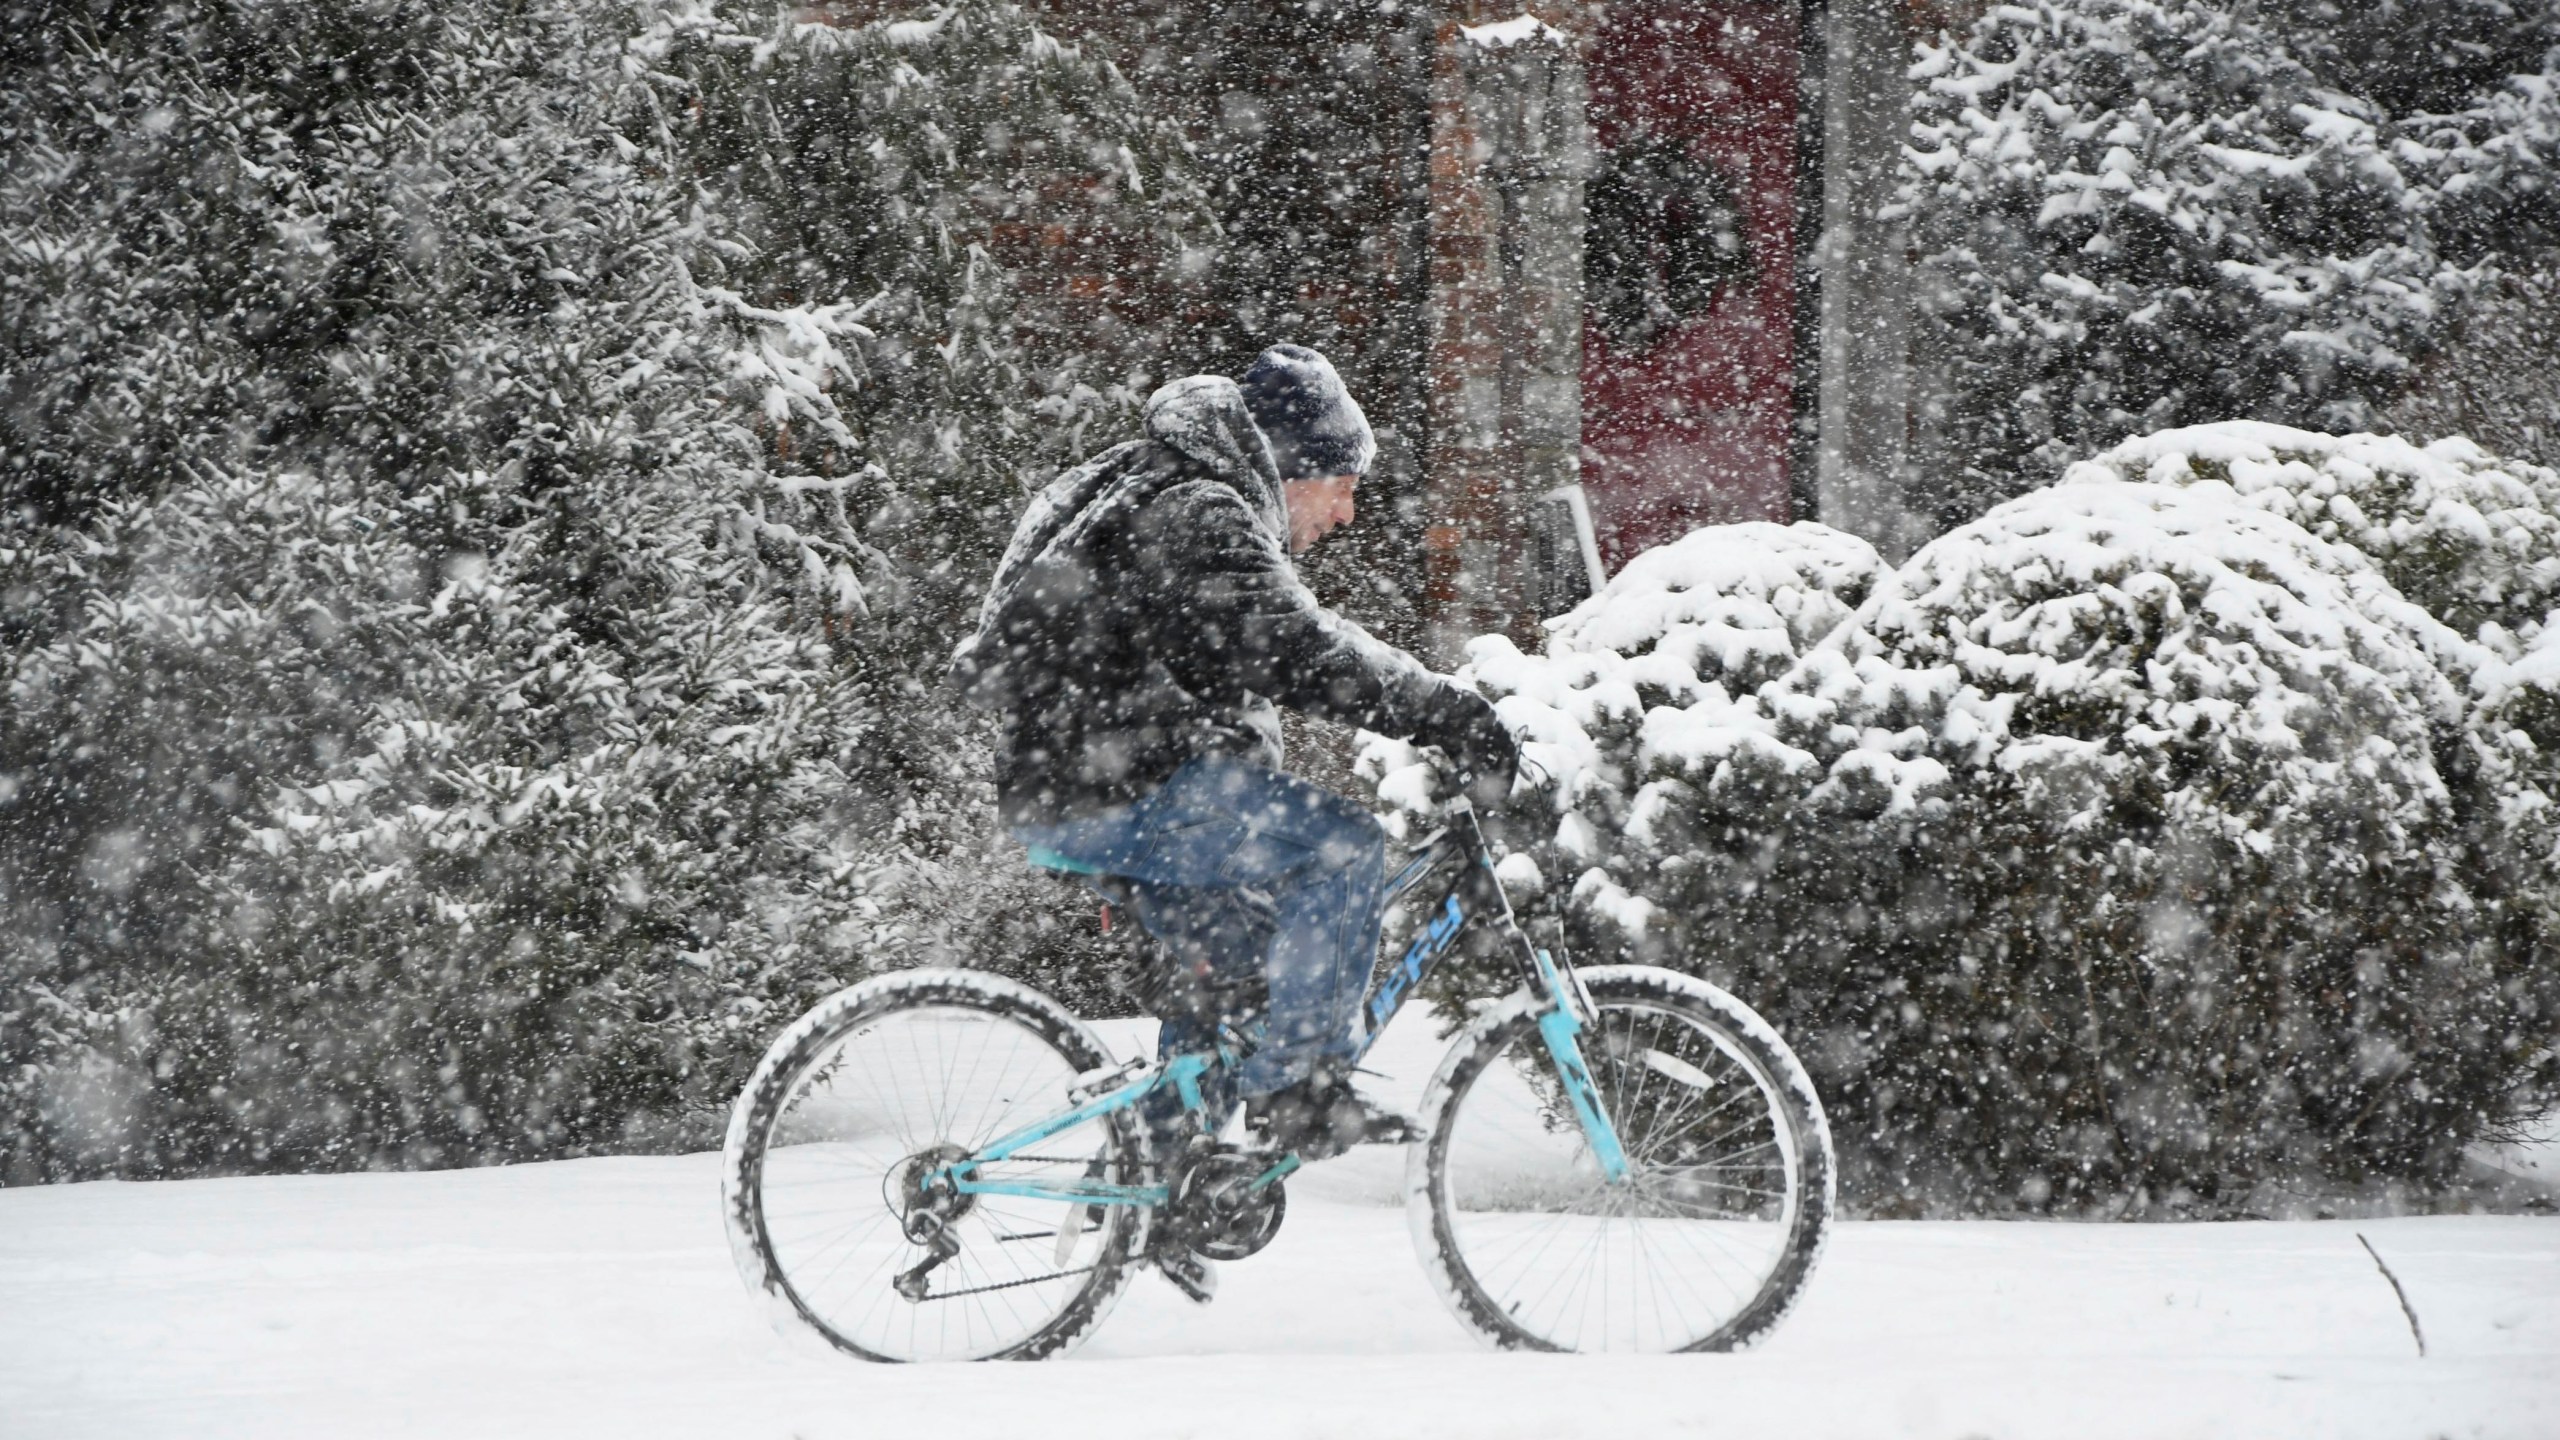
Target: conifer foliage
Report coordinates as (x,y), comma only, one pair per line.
(911,166)
(469,569)
(2137,214)
(2171,838)
(947,176)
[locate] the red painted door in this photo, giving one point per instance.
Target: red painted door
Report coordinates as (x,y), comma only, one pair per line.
(1685,416)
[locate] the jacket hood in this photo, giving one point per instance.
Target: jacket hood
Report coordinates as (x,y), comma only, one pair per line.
(1204,420)
(1204,417)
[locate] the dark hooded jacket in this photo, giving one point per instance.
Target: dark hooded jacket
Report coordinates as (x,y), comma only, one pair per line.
(1146,614)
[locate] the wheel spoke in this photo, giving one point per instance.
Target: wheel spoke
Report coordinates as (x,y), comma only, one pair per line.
(875,1111)
(1683,1253)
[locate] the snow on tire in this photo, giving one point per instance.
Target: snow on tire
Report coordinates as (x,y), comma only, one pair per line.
(914,1109)
(1732,1187)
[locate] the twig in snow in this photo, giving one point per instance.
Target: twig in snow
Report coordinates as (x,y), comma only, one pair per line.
(2414,1332)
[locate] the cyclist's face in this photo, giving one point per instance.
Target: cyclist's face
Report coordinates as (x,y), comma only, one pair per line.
(1316,508)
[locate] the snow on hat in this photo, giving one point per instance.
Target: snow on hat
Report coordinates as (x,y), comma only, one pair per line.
(1314,426)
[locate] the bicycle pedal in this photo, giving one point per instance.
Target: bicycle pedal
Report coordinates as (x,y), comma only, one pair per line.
(1196,1278)
(1385,1127)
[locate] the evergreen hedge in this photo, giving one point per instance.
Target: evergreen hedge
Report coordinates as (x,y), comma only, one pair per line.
(2174,838)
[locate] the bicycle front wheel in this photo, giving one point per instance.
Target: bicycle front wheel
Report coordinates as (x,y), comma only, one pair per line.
(828,1182)
(1704,1244)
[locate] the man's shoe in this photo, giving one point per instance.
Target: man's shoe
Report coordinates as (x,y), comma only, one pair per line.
(1381,1126)
(1319,1119)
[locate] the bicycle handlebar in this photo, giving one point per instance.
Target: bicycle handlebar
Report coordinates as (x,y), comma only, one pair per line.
(1459,780)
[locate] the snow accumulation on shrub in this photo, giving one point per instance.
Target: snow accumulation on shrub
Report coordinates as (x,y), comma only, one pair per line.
(466,599)
(2168,837)
(2471,539)
(431,768)
(2132,214)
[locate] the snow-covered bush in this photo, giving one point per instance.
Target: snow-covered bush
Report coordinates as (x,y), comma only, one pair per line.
(1633,682)
(2472,539)
(418,687)
(456,690)
(2135,214)
(2493,381)
(2133,842)
(901,164)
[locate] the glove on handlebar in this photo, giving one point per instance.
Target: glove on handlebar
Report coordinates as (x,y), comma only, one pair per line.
(1476,742)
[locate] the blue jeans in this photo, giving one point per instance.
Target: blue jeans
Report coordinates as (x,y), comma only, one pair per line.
(1257,867)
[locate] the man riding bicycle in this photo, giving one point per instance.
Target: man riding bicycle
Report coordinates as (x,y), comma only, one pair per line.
(1142,625)
(938,1164)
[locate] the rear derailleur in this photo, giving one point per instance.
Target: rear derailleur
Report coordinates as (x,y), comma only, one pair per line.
(926,1203)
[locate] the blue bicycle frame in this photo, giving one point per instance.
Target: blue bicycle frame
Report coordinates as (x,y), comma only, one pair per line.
(1473,902)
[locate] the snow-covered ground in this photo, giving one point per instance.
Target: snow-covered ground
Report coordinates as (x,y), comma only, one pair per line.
(596,1297)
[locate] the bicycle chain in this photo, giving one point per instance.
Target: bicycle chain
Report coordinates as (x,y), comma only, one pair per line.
(1007,1284)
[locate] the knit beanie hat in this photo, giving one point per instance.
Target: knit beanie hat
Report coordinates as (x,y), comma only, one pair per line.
(1314,426)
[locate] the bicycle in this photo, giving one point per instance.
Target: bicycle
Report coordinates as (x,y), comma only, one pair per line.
(939,1164)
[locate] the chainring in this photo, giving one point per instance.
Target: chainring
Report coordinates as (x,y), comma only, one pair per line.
(1214,1209)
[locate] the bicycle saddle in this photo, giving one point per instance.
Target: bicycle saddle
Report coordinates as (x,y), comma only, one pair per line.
(1116,890)
(1044,858)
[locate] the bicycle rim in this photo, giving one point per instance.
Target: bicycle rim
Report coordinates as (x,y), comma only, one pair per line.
(1689,1252)
(870,1110)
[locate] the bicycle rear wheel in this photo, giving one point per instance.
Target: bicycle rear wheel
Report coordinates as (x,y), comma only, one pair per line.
(1705,1244)
(826,1180)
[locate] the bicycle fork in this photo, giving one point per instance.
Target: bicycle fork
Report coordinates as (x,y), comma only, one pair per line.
(1561,1028)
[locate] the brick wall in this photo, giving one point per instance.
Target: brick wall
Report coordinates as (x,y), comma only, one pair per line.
(1364,213)
(1509,153)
